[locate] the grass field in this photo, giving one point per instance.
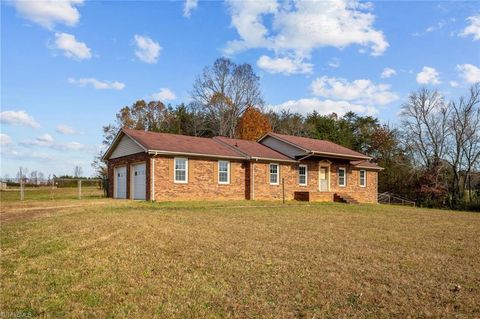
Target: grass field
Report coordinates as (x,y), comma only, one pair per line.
(122,259)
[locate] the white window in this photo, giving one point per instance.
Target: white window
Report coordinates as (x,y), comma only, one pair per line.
(302,175)
(363,178)
(181,170)
(274,174)
(223,172)
(342,177)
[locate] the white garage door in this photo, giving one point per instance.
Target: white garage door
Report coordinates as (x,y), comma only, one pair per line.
(139,181)
(121,182)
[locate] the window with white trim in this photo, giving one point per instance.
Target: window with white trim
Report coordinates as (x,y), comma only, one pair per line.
(302,175)
(274,174)
(363,178)
(223,172)
(342,177)
(181,170)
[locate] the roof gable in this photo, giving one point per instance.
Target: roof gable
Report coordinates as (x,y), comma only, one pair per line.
(126,146)
(316,146)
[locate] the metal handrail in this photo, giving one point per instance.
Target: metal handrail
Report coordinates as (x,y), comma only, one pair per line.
(392,199)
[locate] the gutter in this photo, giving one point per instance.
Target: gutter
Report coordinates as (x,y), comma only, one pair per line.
(344,156)
(157,152)
(372,168)
(306,156)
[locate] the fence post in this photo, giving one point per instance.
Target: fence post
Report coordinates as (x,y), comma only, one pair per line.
(283,190)
(22,195)
(79,189)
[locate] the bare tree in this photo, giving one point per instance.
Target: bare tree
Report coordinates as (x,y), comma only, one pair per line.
(77,171)
(425,124)
(34,177)
(464,152)
(22,174)
(425,133)
(41,177)
(197,123)
(226,90)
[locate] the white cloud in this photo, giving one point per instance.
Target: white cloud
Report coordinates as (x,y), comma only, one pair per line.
(165,94)
(387,72)
(18,118)
(147,49)
(99,85)
(469,72)
(5,139)
(47,13)
(334,63)
(65,129)
(360,91)
(188,7)
(473,29)
(73,146)
(454,84)
(46,140)
(300,27)
(71,47)
(323,107)
(428,75)
(284,65)
(436,27)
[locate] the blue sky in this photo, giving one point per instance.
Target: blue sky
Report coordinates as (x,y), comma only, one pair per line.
(67,67)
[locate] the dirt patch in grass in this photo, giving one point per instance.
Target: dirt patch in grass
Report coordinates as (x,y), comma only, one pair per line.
(168,261)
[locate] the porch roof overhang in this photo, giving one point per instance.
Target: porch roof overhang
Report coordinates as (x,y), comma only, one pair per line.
(332,156)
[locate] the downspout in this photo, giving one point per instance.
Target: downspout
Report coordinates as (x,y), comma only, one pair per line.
(152,175)
(253,180)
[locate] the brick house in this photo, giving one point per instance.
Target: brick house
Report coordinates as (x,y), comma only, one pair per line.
(164,167)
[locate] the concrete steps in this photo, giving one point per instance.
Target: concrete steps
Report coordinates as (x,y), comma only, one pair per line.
(344,198)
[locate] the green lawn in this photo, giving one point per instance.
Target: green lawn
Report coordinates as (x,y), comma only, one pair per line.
(123,259)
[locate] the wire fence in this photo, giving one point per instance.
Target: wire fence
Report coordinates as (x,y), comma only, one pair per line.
(55,189)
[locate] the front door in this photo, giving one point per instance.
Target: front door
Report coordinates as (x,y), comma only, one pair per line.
(323,179)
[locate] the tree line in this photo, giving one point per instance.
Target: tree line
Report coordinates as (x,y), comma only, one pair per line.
(431,156)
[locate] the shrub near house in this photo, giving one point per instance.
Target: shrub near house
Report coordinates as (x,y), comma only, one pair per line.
(162,167)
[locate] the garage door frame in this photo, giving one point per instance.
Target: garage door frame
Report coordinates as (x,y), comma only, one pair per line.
(132,179)
(115,181)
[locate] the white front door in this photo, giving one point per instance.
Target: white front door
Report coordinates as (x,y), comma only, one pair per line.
(139,181)
(120,180)
(323,179)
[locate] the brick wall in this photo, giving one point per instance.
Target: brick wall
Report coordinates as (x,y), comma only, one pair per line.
(128,161)
(247,180)
(202,180)
(362,194)
(263,190)
(289,172)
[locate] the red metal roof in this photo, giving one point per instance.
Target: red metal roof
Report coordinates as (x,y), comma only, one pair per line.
(153,141)
(319,146)
(252,148)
